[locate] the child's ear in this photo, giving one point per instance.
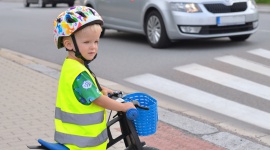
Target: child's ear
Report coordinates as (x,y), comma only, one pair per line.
(67,44)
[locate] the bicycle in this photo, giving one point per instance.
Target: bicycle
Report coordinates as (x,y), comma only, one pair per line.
(129,133)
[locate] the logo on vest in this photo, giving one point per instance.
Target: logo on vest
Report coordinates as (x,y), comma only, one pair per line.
(87,84)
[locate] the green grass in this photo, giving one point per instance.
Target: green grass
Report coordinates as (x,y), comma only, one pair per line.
(263,1)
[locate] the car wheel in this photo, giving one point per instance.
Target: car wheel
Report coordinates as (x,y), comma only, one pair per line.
(155,30)
(26,4)
(54,4)
(102,32)
(239,38)
(70,4)
(41,3)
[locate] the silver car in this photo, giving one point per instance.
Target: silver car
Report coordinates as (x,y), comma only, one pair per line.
(164,21)
(43,3)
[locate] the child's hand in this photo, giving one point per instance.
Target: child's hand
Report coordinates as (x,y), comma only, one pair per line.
(105,91)
(128,105)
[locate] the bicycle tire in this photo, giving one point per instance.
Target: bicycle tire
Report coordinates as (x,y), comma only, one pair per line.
(149,148)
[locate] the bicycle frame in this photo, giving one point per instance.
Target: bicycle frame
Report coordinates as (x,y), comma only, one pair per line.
(129,133)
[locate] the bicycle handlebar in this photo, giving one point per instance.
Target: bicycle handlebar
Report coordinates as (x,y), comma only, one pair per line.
(119,94)
(116,94)
(131,113)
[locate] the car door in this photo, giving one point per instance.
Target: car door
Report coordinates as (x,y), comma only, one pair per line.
(107,9)
(121,14)
(129,13)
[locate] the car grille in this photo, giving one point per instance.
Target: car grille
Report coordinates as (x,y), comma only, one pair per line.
(221,8)
(226,29)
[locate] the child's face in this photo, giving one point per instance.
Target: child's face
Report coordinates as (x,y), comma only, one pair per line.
(87,40)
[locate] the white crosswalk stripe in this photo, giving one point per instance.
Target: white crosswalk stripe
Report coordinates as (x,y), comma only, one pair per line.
(212,102)
(246,64)
(226,79)
(261,52)
(202,99)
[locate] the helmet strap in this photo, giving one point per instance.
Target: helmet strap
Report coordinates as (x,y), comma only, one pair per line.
(93,74)
(86,62)
(77,51)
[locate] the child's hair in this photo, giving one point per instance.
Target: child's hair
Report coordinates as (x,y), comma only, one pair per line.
(93,27)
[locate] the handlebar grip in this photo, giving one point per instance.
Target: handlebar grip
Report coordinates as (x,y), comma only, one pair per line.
(132,113)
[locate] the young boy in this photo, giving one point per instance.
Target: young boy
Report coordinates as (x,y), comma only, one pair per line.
(80,116)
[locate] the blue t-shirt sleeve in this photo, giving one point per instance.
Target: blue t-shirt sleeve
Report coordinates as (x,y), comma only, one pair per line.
(84,89)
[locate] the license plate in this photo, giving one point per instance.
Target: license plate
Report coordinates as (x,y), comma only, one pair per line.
(230,20)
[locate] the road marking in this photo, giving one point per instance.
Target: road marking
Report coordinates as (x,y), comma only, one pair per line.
(227,80)
(261,52)
(233,142)
(246,64)
(203,99)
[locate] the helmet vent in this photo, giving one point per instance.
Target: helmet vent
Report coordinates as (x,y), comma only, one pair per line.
(69,19)
(81,14)
(92,12)
(59,20)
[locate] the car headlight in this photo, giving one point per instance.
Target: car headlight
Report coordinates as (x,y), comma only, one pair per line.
(253,4)
(185,7)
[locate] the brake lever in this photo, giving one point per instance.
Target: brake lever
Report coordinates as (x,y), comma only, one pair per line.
(116,94)
(136,104)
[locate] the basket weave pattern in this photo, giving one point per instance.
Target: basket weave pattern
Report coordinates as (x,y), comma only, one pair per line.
(146,122)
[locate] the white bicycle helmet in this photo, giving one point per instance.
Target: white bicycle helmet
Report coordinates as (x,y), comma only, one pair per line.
(73,19)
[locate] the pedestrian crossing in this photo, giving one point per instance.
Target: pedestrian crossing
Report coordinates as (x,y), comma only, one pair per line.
(213,102)
(226,79)
(261,52)
(246,64)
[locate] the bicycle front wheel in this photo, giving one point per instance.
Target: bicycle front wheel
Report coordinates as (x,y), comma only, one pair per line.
(149,148)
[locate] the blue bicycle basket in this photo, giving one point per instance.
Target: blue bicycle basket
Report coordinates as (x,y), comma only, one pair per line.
(146,122)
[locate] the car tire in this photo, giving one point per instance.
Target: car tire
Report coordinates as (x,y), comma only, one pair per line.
(70,4)
(102,32)
(26,4)
(149,148)
(155,30)
(239,38)
(54,4)
(41,3)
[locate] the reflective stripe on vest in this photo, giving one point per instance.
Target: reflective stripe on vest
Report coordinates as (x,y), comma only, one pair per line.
(80,140)
(79,119)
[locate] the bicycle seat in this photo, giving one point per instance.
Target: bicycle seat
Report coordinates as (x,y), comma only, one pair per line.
(52,146)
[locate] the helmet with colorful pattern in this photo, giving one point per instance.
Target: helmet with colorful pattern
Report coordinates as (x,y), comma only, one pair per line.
(74,18)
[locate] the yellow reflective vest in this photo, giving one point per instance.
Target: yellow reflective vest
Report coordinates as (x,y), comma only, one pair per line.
(78,126)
